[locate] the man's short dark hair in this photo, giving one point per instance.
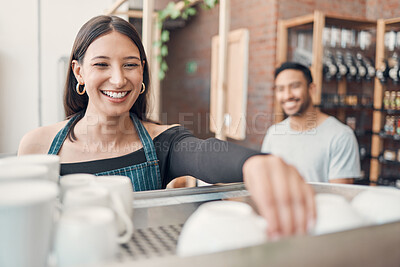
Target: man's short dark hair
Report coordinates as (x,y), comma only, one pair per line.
(295,66)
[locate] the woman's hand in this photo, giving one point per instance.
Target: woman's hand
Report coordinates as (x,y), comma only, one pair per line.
(280,194)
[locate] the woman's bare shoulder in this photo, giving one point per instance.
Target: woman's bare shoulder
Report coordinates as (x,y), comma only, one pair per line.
(38,141)
(156,129)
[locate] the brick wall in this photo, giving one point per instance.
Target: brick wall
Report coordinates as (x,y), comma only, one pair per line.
(376,9)
(185,96)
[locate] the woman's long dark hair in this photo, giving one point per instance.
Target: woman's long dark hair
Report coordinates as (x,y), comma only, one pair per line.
(90,31)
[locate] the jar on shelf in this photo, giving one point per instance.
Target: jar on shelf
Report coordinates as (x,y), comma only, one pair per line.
(389,155)
(351,122)
(389,127)
(398,100)
(386,100)
(398,125)
(392,100)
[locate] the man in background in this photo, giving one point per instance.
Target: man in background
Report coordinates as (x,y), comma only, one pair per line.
(322,148)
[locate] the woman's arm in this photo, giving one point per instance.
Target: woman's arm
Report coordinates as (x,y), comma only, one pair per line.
(280,193)
(210,160)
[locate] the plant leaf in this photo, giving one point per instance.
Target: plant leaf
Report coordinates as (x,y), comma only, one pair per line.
(210,3)
(191,11)
(161,75)
(175,14)
(165,36)
(164,66)
(164,51)
(157,43)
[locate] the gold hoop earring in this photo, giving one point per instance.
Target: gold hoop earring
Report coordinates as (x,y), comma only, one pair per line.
(143,88)
(78,89)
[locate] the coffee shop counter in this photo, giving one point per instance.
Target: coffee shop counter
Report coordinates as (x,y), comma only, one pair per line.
(160,215)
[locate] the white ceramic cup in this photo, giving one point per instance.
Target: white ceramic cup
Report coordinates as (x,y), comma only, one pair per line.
(99,196)
(86,235)
(122,187)
(221,225)
(378,205)
(76,180)
(15,172)
(52,162)
(334,214)
(26,222)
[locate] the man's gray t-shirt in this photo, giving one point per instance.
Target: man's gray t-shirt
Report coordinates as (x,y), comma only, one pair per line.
(329,151)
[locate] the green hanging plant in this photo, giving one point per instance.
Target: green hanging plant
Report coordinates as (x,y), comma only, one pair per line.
(171,11)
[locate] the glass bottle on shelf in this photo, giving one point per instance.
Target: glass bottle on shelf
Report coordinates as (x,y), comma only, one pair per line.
(383,72)
(343,69)
(354,67)
(386,126)
(394,68)
(369,65)
(398,100)
(398,125)
(391,127)
(392,101)
(364,40)
(330,68)
(335,38)
(386,100)
(390,41)
(392,58)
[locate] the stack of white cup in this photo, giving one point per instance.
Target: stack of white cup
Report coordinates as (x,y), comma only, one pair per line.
(28,195)
(97,215)
(221,225)
(52,162)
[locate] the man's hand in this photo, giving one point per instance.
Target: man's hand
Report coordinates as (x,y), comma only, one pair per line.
(280,194)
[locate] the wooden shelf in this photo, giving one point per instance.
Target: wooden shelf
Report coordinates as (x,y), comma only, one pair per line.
(395,137)
(335,106)
(383,25)
(388,162)
(312,26)
(351,23)
(389,111)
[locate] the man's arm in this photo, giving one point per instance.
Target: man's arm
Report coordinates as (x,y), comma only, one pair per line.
(344,164)
(342,181)
(266,145)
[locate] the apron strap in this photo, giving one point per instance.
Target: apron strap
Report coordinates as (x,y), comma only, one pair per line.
(60,137)
(147,142)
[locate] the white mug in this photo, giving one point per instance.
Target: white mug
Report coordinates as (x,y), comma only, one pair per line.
(334,214)
(121,186)
(86,235)
(99,196)
(26,222)
(52,162)
(17,171)
(378,205)
(221,225)
(75,180)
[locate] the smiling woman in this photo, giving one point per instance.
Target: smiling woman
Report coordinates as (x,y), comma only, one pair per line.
(113,78)
(107,133)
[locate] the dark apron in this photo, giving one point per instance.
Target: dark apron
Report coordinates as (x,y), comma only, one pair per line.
(144,176)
